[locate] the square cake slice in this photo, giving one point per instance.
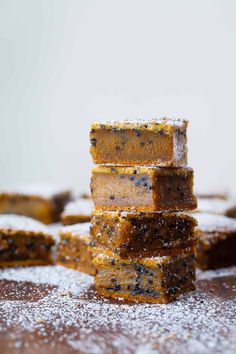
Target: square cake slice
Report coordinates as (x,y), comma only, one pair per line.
(77,211)
(24,242)
(217,241)
(44,203)
(73,249)
(152,280)
(155,142)
(143,188)
(141,234)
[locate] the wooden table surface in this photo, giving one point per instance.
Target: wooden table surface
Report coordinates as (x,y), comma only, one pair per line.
(56,310)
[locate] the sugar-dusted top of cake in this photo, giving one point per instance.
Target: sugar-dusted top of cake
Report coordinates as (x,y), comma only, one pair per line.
(140,170)
(21,223)
(215,223)
(79,207)
(215,205)
(142,123)
(150,261)
(77,229)
(139,214)
(43,191)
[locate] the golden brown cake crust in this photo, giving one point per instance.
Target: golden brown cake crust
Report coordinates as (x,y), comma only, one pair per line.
(74,219)
(27,263)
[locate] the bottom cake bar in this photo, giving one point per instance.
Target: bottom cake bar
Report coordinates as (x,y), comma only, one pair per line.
(24,242)
(217,241)
(152,280)
(73,249)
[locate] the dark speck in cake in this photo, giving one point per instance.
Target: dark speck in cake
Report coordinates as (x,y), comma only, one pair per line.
(93,142)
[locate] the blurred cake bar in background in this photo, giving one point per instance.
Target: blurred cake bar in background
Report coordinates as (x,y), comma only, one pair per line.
(154,280)
(225,207)
(135,234)
(24,242)
(213,194)
(217,241)
(77,211)
(161,142)
(73,248)
(43,203)
(143,188)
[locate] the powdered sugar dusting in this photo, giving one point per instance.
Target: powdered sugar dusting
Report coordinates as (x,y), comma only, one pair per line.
(180,147)
(140,122)
(79,207)
(73,316)
(216,206)
(152,261)
(21,223)
(77,229)
(39,190)
(215,223)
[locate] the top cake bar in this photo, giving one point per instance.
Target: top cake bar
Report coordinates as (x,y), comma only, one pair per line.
(155,142)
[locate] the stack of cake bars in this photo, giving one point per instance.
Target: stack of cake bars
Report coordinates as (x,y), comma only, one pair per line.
(144,244)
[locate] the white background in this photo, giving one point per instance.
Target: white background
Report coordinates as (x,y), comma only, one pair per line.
(66,63)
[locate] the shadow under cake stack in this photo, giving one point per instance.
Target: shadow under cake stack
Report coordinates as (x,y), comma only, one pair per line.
(144,244)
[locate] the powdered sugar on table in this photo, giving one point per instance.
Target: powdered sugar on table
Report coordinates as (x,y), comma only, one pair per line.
(57,310)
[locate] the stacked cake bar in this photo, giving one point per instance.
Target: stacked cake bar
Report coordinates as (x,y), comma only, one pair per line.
(144,244)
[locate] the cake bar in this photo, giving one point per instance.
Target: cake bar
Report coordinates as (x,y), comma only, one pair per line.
(39,202)
(143,188)
(77,211)
(24,242)
(217,241)
(73,249)
(152,280)
(154,142)
(141,234)
(213,194)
